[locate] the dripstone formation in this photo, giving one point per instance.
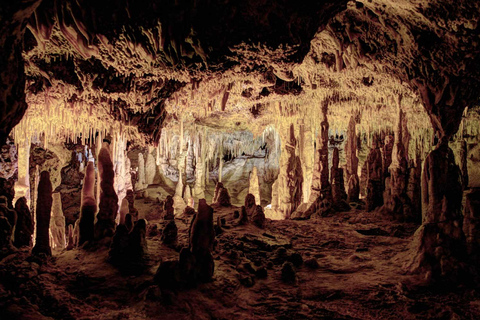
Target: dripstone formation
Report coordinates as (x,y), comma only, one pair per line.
(44,207)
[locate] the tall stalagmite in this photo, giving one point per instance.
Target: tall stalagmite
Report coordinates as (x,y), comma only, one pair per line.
(25,225)
(57,222)
(353,187)
(44,207)
(374,165)
(108,207)
(89,206)
(254,187)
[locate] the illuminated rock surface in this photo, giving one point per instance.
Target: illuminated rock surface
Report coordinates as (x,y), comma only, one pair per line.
(254,159)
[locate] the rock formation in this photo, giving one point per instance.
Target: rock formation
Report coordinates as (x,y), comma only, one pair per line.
(374,176)
(89,206)
(131,204)
(243,216)
(258,218)
(42,212)
(108,206)
(254,187)
(57,223)
(169,235)
(25,226)
(221,197)
(353,187)
(168,210)
(339,195)
(70,238)
(8,219)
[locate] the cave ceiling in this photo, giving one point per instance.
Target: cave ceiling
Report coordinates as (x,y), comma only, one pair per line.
(139,66)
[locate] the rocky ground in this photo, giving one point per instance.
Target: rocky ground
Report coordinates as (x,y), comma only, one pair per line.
(348,266)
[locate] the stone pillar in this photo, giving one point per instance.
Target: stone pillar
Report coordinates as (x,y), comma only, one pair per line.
(291,178)
(202,236)
(150,167)
(440,244)
(22,185)
(254,187)
(338,187)
(88,207)
(57,223)
(108,207)
(44,207)
(353,187)
(374,176)
(463,163)
(140,185)
(25,225)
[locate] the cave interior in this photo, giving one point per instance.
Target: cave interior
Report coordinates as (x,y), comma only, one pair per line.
(256,159)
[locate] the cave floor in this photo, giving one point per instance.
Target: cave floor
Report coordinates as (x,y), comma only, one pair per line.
(360,276)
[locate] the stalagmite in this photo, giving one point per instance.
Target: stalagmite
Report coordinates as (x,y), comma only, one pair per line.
(440,244)
(353,187)
(250,206)
(8,219)
(168,210)
(70,238)
(202,236)
(131,204)
(89,206)
(463,163)
(338,188)
(374,176)
(42,212)
(141,182)
(124,210)
(108,207)
(57,223)
(25,225)
(178,202)
(258,218)
(221,197)
(169,234)
(22,185)
(150,167)
(254,187)
(396,199)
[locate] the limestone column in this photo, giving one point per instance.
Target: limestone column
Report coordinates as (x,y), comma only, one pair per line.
(374,161)
(22,185)
(150,167)
(353,187)
(44,207)
(25,225)
(57,222)
(108,206)
(254,187)
(338,187)
(140,185)
(88,206)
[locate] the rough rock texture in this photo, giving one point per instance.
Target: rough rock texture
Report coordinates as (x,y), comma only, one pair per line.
(258,218)
(374,176)
(129,248)
(8,219)
(471,223)
(250,206)
(287,190)
(108,206)
(141,178)
(202,236)
(254,187)
(353,182)
(169,235)
(221,197)
(57,223)
(70,238)
(25,225)
(464,163)
(440,244)
(168,210)
(131,204)
(44,207)
(338,187)
(89,206)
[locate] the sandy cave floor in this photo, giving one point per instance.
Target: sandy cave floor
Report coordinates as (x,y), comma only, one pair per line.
(359,277)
